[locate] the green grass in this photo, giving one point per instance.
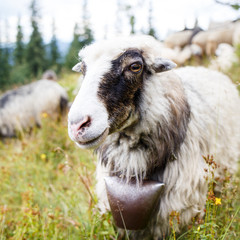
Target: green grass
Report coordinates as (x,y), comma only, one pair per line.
(47,191)
(46,186)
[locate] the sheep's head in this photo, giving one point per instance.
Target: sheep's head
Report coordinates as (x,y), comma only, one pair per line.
(114,73)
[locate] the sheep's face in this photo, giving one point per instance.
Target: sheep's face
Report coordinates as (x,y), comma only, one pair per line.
(110,94)
(120,88)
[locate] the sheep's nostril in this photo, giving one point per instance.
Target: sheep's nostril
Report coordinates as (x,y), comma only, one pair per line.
(80,127)
(84,123)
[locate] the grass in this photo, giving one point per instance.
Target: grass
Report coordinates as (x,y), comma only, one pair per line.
(47,190)
(46,186)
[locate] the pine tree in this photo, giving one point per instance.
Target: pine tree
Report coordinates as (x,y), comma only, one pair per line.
(35,54)
(54,51)
(151,30)
(130,13)
(81,38)
(20,72)
(132,24)
(72,57)
(20,48)
(5,67)
(87,35)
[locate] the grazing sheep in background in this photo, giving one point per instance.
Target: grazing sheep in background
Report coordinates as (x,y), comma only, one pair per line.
(225,57)
(236,35)
(178,55)
(22,108)
(178,39)
(209,40)
(50,75)
(217,36)
(182,38)
(147,122)
(200,39)
(215,24)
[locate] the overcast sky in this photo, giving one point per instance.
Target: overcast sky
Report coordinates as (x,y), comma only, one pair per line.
(168,15)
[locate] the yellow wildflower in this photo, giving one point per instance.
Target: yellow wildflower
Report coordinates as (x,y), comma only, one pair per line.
(44,115)
(218,201)
(43,156)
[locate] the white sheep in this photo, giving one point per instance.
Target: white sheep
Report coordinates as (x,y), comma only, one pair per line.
(180,55)
(200,39)
(178,39)
(217,36)
(236,35)
(225,58)
(149,123)
(209,40)
(50,75)
(182,38)
(21,109)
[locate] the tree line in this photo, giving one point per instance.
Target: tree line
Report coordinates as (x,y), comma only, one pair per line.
(25,61)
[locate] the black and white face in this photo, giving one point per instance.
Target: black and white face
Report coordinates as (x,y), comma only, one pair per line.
(108,99)
(109,96)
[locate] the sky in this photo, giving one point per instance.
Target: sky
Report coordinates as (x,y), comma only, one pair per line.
(106,19)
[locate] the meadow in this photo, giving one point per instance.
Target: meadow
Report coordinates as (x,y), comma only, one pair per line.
(47,189)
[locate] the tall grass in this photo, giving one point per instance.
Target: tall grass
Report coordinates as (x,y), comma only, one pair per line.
(47,191)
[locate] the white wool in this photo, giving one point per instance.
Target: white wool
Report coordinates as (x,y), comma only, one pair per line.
(211,126)
(225,58)
(210,39)
(178,39)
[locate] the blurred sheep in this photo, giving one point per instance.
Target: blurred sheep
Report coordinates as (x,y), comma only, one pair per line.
(178,39)
(225,57)
(50,75)
(236,36)
(215,24)
(181,56)
(210,39)
(23,108)
(182,38)
(217,36)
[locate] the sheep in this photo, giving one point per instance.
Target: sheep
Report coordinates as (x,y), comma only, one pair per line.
(178,55)
(182,38)
(149,122)
(215,24)
(217,36)
(178,39)
(50,75)
(225,58)
(200,39)
(21,109)
(236,35)
(209,40)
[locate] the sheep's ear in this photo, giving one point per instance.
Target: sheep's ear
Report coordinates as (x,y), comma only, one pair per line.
(162,65)
(77,67)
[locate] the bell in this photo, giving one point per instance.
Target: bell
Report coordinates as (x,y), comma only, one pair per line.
(132,204)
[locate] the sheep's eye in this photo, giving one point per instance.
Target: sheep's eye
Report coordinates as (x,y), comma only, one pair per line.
(136,67)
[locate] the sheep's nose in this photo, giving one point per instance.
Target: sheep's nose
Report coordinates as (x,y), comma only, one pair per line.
(80,127)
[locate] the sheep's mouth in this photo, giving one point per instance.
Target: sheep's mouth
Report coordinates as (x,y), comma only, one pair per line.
(94,142)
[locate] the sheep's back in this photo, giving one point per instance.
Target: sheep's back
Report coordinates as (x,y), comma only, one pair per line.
(214,102)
